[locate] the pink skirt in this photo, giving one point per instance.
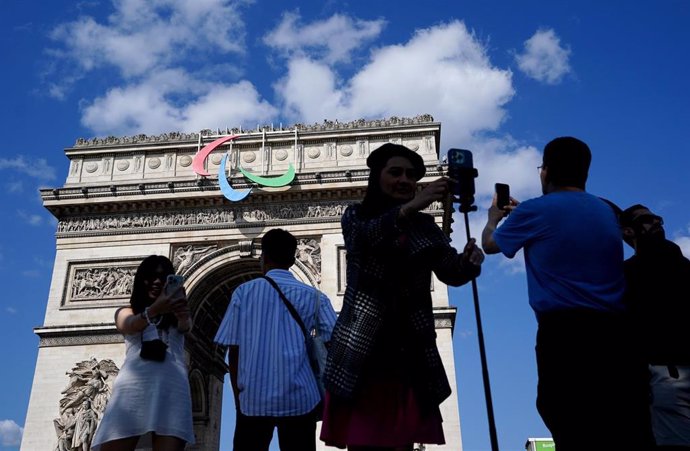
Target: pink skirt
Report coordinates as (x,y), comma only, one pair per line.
(384,413)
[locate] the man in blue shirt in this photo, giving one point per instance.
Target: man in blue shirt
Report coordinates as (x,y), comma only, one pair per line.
(592,386)
(270,373)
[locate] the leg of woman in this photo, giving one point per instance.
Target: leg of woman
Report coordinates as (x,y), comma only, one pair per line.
(167,443)
(123,444)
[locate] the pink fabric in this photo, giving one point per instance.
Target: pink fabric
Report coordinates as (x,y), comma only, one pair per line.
(384,413)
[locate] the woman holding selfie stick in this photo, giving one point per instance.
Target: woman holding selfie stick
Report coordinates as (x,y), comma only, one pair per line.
(151,396)
(384,376)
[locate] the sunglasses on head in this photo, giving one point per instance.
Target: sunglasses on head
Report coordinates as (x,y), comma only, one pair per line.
(648,219)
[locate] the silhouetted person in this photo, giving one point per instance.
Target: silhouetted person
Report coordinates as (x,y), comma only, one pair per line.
(592,389)
(384,376)
(658,275)
(271,377)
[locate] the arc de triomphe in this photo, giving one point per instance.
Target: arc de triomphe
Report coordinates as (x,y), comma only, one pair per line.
(127,198)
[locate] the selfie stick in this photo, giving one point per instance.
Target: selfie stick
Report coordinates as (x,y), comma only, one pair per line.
(460,168)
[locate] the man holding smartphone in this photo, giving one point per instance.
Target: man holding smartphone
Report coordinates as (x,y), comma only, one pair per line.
(592,384)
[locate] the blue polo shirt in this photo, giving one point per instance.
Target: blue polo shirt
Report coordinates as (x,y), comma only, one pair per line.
(573,251)
(274,376)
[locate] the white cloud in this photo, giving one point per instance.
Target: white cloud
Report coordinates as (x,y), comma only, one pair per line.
(36,167)
(143,35)
(11,310)
(684,243)
(543,57)
(442,70)
(331,40)
(10,433)
(154,106)
(31,219)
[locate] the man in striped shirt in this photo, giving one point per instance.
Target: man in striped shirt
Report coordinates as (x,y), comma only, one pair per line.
(271,377)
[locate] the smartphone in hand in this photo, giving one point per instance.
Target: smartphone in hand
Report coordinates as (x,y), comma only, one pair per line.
(502,195)
(172,283)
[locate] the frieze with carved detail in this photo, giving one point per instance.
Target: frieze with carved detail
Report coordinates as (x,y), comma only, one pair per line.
(202,217)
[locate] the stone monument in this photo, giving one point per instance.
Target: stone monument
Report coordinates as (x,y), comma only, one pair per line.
(130,197)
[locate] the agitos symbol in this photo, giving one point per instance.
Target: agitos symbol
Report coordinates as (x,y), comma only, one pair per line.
(227,190)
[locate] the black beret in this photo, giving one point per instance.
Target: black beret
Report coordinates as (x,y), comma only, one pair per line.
(378,158)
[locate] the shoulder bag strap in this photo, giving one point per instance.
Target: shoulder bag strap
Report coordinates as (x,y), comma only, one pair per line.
(316,312)
(289,306)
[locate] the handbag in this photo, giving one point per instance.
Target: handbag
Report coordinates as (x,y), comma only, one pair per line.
(316,347)
(152,347)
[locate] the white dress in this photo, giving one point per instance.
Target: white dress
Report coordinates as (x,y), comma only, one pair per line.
(149,396)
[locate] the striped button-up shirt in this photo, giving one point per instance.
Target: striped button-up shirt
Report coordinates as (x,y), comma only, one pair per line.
(274,376)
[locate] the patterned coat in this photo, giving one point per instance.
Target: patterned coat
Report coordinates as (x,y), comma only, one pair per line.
(389,265)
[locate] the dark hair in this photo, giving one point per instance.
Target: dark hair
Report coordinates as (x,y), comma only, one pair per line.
(147,269)
(626,216)
(567,161)
(375,201)
(279,246)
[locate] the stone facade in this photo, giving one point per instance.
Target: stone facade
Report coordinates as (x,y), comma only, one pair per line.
(126,198)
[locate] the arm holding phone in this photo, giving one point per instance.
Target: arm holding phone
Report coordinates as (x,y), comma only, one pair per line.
(172,299)
(501,206)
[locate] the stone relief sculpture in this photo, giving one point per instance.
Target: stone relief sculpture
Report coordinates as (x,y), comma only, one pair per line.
(184,257)
(102,282)
(83,403)
(202,217)
(309,253)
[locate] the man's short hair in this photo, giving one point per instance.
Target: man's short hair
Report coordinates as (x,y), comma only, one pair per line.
(627,215)
(567,161)
(279,246)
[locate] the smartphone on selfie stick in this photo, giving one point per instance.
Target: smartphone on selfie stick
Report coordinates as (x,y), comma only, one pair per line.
(462,173)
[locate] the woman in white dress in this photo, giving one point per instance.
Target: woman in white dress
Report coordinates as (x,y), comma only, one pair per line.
(151,395)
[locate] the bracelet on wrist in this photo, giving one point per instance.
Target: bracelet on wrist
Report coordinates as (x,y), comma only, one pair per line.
(148,318)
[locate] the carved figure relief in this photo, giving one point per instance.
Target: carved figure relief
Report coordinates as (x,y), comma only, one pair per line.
(94,283)
(83,403)
(201,217)
(184,257)
(309,253)
(91,167)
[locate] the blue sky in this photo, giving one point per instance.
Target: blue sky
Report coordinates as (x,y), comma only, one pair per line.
(503,77)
